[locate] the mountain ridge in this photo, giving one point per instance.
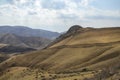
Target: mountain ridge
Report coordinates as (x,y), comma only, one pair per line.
(87,50)
(31,42)
(28,32)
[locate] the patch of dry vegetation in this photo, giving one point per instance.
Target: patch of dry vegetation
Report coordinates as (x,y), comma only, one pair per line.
(88,55)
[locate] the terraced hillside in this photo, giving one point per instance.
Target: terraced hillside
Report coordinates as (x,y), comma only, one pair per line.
(79,54)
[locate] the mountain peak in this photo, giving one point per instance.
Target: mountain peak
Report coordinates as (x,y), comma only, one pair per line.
(75,28)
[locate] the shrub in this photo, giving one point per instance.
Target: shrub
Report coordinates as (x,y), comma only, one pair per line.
(84,70)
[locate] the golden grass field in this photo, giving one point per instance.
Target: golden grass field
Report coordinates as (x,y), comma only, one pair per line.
(81,56)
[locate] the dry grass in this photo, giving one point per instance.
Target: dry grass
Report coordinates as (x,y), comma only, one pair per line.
(91,50)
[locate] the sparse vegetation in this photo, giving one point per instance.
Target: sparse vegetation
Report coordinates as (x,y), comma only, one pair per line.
(88,54)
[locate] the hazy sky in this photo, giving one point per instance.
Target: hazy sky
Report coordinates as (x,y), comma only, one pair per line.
(59,15)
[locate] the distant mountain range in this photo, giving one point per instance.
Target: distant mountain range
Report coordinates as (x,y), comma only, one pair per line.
(21,38)
(28,32)
(29,42)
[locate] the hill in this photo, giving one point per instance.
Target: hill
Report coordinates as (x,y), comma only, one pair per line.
(81,53)
(31,42)
(28,32)
(3,57)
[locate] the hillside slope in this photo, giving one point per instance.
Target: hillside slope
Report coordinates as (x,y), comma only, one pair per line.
(80,49)
(32,42)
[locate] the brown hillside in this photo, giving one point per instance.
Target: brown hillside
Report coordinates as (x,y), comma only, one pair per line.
(85,48)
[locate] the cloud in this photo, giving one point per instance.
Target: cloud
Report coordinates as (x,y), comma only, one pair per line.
(32,13)
(2,2)
(55,13)
(68,16)
(85,2)
(103,17)
(53,4)
(97,14)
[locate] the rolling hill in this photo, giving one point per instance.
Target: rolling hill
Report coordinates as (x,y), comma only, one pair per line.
(30,42)
(80,53)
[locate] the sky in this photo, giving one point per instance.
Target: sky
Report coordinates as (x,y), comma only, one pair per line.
(60,15)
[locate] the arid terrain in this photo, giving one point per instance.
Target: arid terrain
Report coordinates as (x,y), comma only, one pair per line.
(79,54)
